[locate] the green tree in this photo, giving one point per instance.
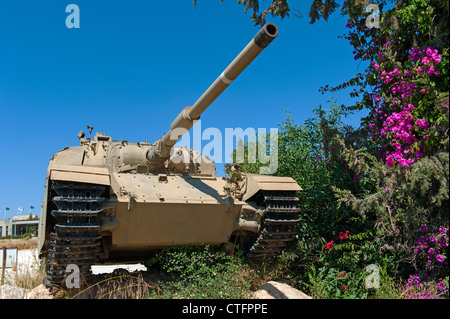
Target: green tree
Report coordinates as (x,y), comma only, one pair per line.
(281,8)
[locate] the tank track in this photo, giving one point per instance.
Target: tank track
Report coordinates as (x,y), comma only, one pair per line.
(75,238)
(278,225)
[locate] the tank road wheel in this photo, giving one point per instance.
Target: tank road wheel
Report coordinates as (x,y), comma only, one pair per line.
(74,239)
(278,225)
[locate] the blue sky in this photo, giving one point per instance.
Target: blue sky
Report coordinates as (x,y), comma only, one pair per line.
(133,65)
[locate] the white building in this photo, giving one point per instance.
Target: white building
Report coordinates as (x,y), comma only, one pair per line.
(19,225)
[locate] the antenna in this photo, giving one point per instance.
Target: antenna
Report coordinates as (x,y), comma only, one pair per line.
(90,128)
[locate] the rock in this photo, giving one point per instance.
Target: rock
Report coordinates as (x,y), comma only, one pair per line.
(40,292)
(10,292)
(279,290)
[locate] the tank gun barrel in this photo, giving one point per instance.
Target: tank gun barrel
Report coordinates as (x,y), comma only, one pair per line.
(160,151)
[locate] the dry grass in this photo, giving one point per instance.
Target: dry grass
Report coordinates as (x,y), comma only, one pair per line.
(124,286)
(26,243)
(118,285)
(26,276)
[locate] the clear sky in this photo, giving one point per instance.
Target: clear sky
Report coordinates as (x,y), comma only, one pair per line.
(133,65)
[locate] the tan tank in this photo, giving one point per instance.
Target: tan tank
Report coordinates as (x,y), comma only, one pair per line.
(110,201)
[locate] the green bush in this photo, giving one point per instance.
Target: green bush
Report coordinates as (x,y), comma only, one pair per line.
(203,272)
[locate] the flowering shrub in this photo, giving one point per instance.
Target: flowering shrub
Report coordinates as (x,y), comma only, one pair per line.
(405,118)
(416,289)
(342,236)
(335,284)
(431,250)
(350,253)
(405,88)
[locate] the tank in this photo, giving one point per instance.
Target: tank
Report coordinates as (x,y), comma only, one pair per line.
(109,201)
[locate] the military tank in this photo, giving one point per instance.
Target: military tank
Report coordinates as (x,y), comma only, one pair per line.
(109,201)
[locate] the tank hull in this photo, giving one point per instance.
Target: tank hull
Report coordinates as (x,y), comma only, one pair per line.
(161,211)
(144,212)
(162,225)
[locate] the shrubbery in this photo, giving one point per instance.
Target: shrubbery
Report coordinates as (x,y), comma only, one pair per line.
(370,192)
(203,272)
